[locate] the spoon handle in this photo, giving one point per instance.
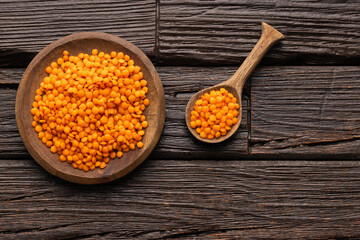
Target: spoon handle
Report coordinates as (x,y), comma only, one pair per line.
(268,38)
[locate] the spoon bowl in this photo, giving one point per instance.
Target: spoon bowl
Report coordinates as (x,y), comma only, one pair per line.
(191,104)
(235,83)
(33,76)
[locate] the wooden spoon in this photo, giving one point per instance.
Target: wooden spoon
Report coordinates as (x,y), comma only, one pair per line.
(235,84)
(33,76)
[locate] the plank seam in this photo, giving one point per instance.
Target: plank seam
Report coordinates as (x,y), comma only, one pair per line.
(248,118)
(157,25)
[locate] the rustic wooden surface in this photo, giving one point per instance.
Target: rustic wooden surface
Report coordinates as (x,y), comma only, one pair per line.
(29,26)
(186,200)
(224,32)
(256,184)
(306,112)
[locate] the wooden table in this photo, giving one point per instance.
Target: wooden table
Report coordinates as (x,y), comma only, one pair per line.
(292,169)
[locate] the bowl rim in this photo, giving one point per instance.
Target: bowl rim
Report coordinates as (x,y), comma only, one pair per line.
(133,163)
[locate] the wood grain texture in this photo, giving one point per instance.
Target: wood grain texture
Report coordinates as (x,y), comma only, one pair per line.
(306,112)
(224,32)
(176,142)
(11,76)
(28,26)
(186,200)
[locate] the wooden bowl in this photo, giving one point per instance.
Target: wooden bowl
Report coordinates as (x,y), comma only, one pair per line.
(33,76)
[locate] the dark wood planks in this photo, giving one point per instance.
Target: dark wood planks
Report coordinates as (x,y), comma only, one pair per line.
(185,200)
(11,144)
(27,27)
(218,32)
(296,112)
(176,141)
(224,32)
(305,112)
(11,76)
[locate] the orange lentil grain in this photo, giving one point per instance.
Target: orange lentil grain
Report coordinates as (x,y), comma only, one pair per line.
(89,109)
(214,114)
